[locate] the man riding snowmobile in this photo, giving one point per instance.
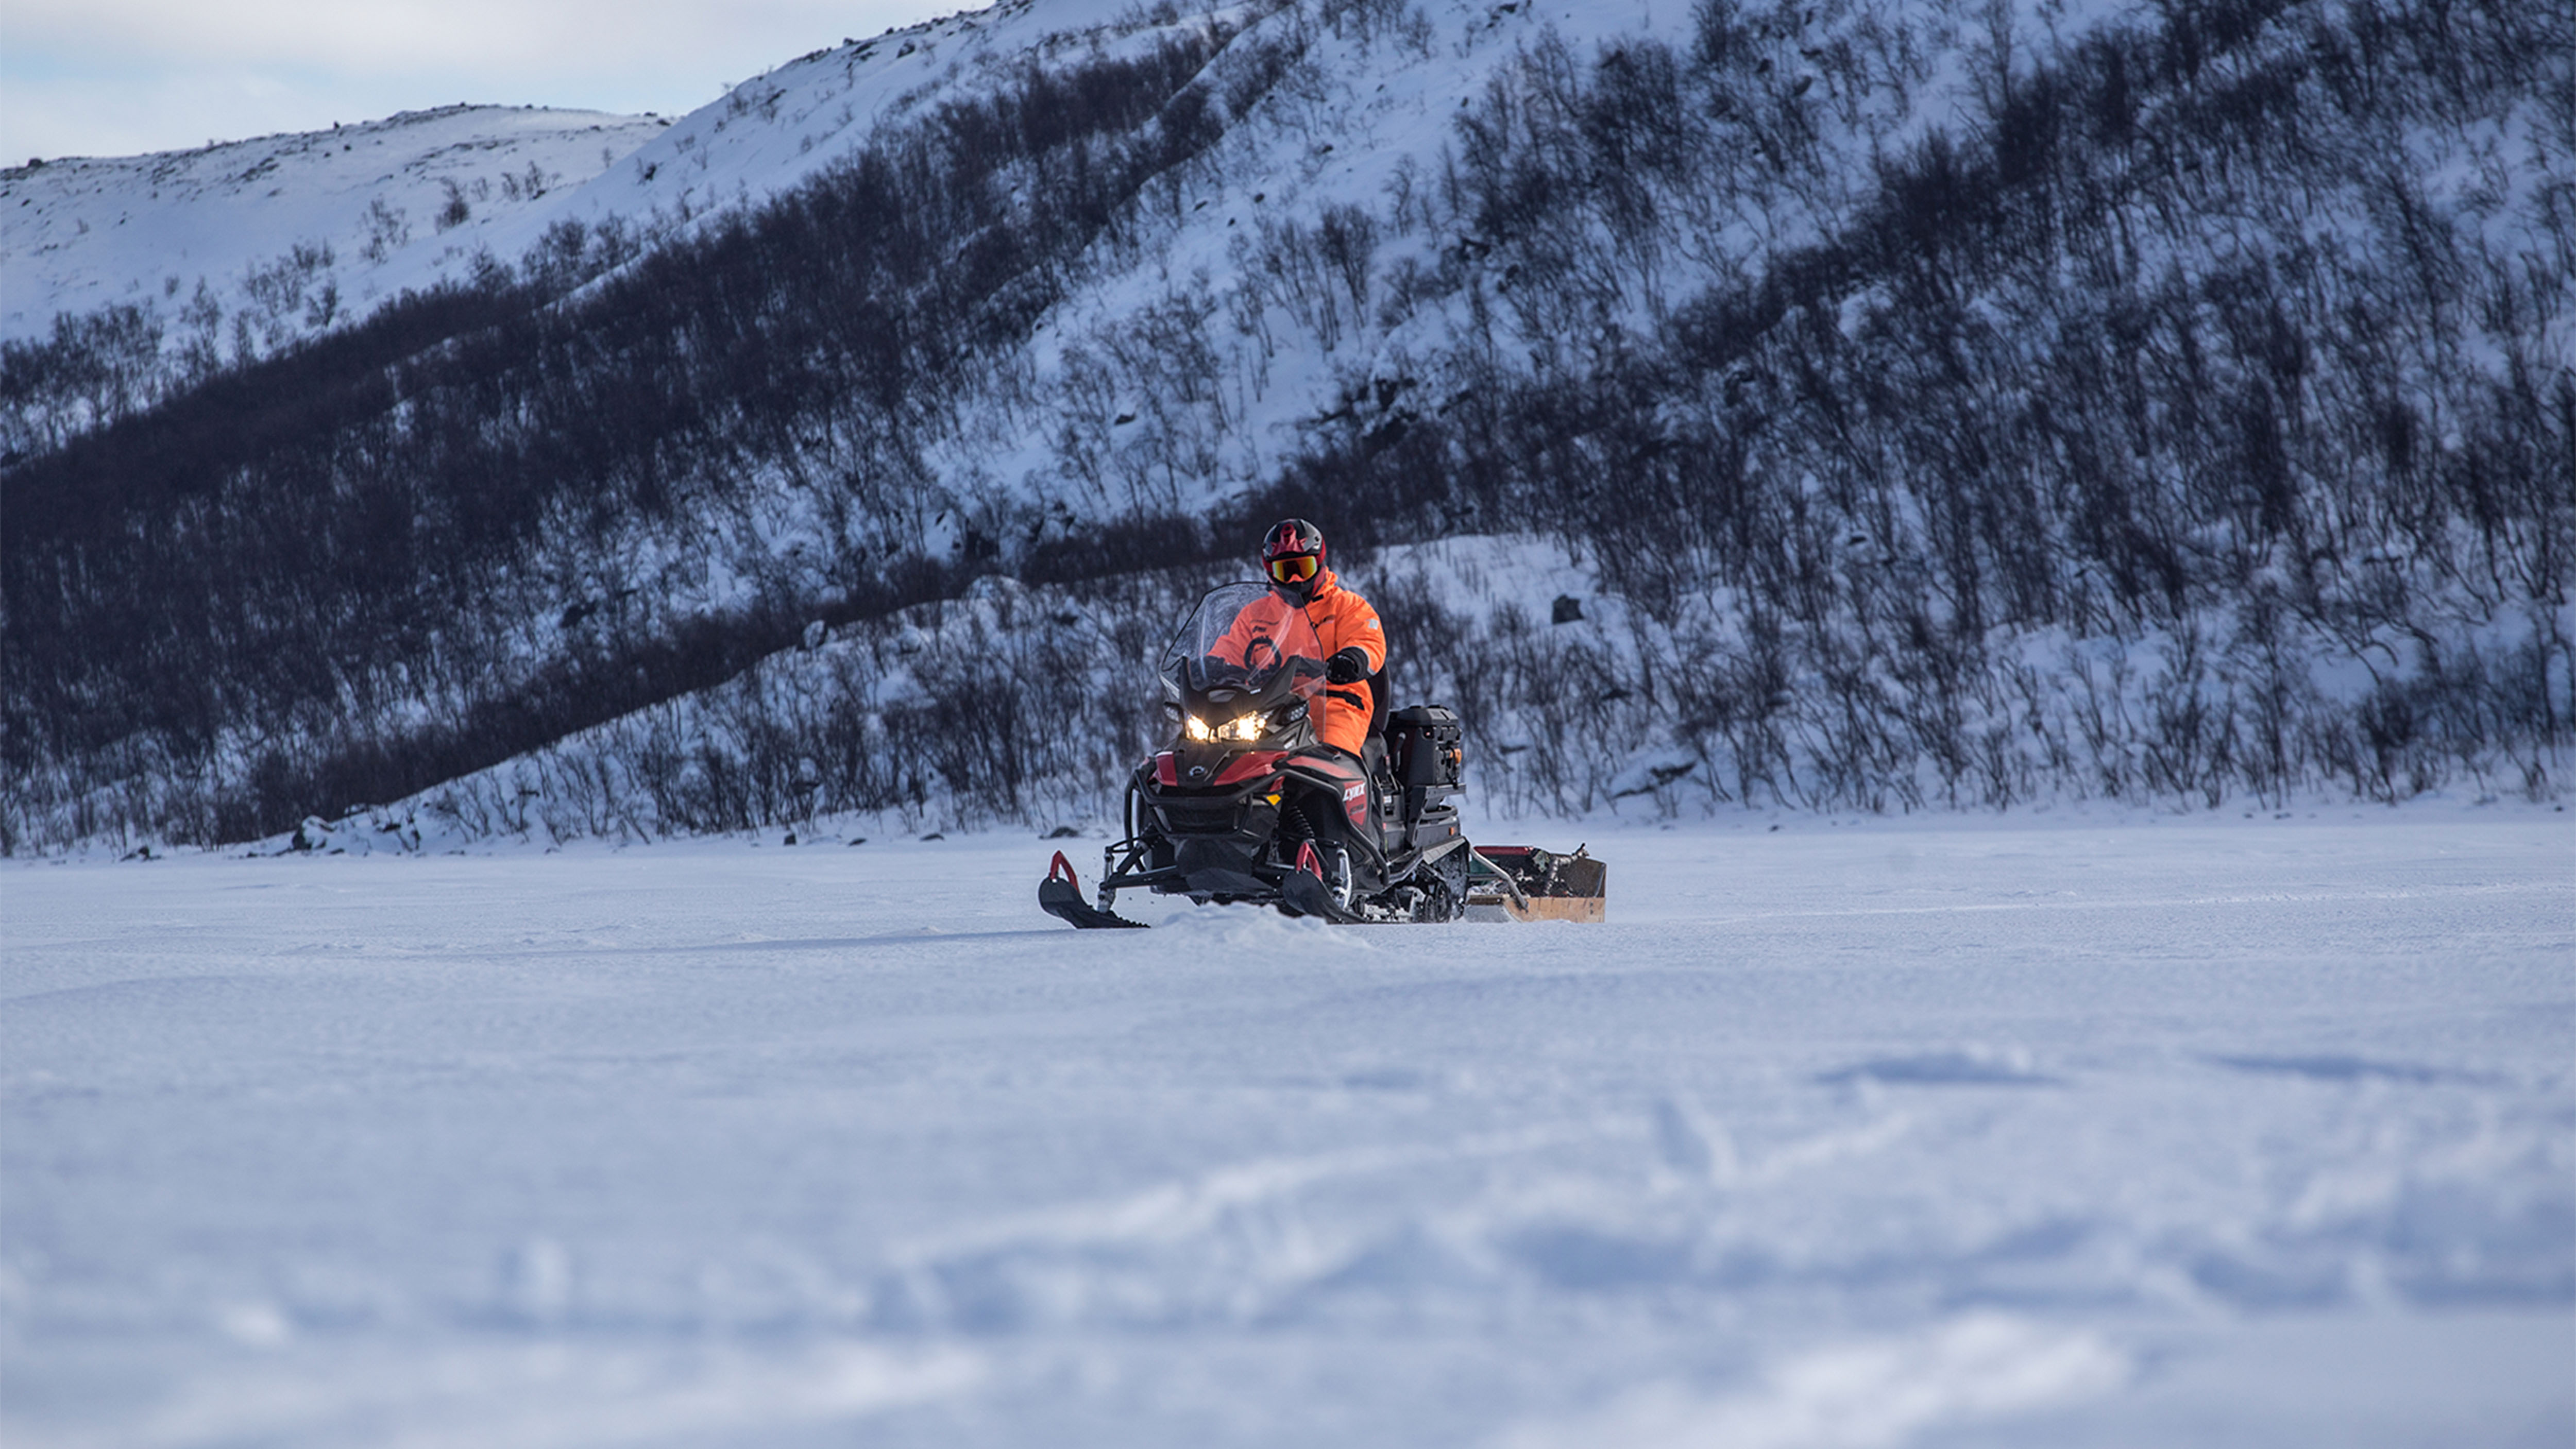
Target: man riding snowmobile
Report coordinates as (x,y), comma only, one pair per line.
(1288,781)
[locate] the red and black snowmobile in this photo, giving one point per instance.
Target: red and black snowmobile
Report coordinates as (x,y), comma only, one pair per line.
(1246,804)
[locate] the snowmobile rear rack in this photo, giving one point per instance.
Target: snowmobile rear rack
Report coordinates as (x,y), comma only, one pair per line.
(1526,883)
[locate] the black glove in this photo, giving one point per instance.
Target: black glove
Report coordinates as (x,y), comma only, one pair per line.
(1348,667)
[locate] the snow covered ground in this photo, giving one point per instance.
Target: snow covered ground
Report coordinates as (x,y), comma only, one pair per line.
(2041,1131)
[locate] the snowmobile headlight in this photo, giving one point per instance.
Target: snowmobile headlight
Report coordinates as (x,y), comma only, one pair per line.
(1245,727)
(1197,729)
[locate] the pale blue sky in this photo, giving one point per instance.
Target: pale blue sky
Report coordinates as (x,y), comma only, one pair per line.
(119,77)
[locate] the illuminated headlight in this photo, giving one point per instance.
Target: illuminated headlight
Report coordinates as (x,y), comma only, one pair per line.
(1245,727)
(1196,728)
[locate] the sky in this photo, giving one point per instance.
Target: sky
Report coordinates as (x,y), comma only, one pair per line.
(123,77)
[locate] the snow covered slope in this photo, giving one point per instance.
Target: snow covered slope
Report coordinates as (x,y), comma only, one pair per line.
(778,128)
(1848,1136)
(406,201)
(380,207)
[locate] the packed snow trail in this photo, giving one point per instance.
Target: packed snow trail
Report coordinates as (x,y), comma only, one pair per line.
(2153,1132)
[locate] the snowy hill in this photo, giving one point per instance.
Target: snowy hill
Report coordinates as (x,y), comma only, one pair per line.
(376,207)
(1923,409)
(263,227)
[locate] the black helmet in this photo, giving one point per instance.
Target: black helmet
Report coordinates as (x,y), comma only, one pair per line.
(1292,554)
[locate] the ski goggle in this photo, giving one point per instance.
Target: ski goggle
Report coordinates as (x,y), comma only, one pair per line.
(1295,568)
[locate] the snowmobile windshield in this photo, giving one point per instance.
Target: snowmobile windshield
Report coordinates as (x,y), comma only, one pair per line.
(1249,638)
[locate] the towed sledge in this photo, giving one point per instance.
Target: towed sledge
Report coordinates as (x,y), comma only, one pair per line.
(1526,883)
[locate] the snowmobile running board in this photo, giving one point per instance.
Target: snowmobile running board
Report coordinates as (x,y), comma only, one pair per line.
(1526,883)
(1060,895)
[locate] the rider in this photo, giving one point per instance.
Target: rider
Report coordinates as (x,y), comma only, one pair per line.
(1292,554)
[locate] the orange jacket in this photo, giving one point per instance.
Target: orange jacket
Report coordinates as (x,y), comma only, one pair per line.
(1342,620)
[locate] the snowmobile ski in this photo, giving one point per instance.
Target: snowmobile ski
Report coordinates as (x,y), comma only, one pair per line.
(1060,896)
(1302,891)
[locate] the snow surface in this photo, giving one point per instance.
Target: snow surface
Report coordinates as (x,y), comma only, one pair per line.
(2052,1131)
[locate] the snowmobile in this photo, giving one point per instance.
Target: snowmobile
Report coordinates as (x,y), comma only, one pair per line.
(1247,804)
